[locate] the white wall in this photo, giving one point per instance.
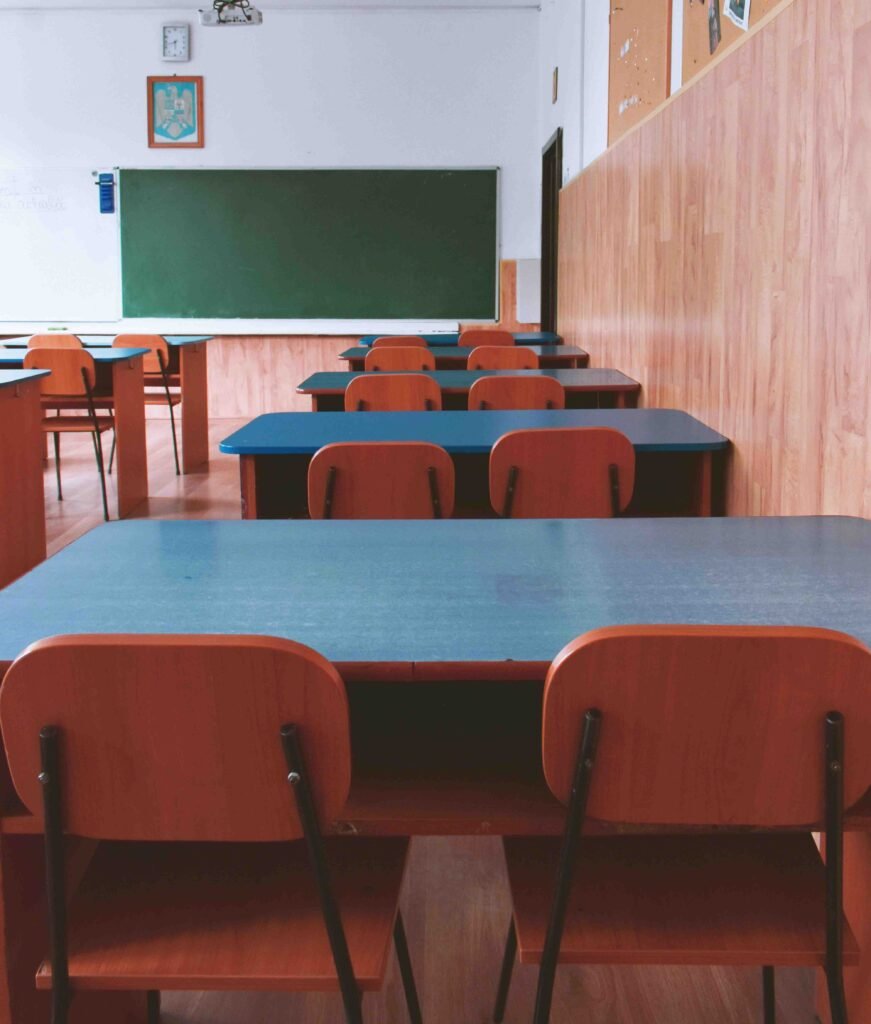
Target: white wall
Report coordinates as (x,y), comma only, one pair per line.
(561,36)
(331,88)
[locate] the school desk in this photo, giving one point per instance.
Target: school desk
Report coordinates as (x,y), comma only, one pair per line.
(679,465)
(119,374)
(188,368)
(448,619)
(456,357)
(584,388)
(453,338)
(22,502)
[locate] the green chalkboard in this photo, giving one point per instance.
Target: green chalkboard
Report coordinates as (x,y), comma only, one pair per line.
(309,244)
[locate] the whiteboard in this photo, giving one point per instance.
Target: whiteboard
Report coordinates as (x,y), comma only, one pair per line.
(59,256)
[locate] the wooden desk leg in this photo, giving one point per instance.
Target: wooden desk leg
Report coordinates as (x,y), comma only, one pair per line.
(194,407)
(316,406)
(130,454)
(22,501)
(24,943)
(619,399)
(857,907)
(248,486)
(704,485)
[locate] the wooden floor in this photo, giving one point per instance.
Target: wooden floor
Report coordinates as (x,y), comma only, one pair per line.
(455,902)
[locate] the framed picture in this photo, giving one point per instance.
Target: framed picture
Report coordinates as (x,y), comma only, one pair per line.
(739,12)
(175,112)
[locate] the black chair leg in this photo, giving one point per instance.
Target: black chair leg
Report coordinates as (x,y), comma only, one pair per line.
(153,1004)
(768,1001)
(56,437)
(406,972)
(508,959)
(837,998)
(174,438)
(98,451)
(112,454)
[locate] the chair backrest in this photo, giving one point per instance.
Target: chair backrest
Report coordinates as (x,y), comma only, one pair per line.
(381,480)
(475,336)
(708,725)
(395,357)
(517,393)
(501,357)
(177,737)
(392,392)
(153,342)
(66,366)
(562,473)
(400,341)
(54,341)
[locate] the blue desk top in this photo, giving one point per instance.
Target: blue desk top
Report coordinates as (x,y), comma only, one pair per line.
(452,337)
(462,380)
(494,589)
(8,378)
(301,433)
(461,352)
(15,357)
(105,340)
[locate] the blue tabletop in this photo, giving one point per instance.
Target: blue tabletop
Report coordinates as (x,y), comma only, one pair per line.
(105,340)
(462,380)
(495,589)
(15,357)
(461,352)
(453,337)
(299,433)
(8,378)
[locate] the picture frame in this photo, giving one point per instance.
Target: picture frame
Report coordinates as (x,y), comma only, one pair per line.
(738,12)
(175,112)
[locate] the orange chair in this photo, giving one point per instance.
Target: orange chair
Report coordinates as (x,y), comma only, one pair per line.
(54,341)
(207,764)
(381,480)
(737,731)
(517,393)
(412,359)
(155,368)
(393,392)
(69,387)
(475,336)
(400,341)
(562,473)
(500,357)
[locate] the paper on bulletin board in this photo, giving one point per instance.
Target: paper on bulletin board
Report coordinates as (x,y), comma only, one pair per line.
(738,12)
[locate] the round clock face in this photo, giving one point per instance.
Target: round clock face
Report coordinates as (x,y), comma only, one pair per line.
(176,42)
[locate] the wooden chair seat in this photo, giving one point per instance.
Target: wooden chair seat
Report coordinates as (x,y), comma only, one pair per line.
(77,424)
(228,916)
(76,403)
(737,900)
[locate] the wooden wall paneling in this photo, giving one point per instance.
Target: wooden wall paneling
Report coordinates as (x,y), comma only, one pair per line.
(250,375)
(720,254)
(640,62)
(696,34)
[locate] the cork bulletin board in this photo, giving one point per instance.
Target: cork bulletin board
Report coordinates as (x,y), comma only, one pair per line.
(640,62)
(697,18)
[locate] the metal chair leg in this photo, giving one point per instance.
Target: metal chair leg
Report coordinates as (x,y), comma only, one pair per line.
(56,437)
(406,972)
(153,1004)
(98,451)
(112,454)
(768,1001)
(508,959)
(174,438)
